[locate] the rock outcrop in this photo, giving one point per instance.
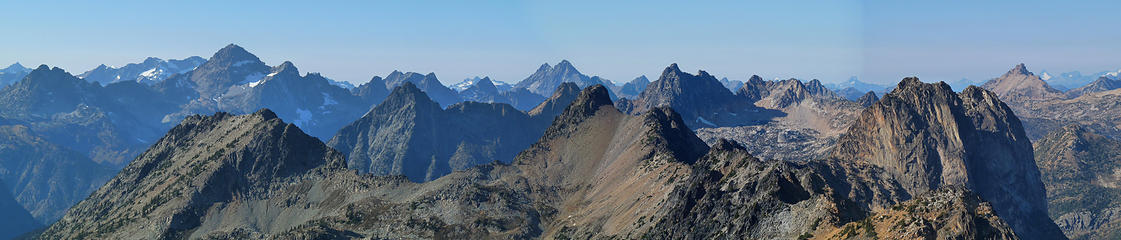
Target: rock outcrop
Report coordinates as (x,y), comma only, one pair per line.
(952,212)
(925,136)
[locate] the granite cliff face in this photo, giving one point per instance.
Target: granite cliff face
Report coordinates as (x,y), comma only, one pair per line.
(1082,173)
(925,136)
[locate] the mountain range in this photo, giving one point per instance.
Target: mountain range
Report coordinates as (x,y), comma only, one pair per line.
(595,172)
(235,148)
(150,71)
(1075,79)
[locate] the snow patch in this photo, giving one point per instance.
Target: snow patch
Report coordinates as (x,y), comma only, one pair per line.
(1045,76)
(254,79)
(152,73)
(1114,74)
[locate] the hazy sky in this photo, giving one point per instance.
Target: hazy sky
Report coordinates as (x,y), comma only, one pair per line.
(507,40)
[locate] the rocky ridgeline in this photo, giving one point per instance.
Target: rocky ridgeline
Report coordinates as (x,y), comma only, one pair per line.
(596,173)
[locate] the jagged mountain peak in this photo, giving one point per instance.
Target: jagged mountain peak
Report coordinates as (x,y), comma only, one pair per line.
(868,99)
(1019,69)
(285,69)
(641,79)
(588,102)
(673,135)
(926,136)
(564,64)
(914,85)
(233,54)
(485,81)
(1019,86)
(407,94)
(546,78)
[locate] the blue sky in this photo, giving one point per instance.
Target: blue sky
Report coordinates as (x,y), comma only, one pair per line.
(878,41)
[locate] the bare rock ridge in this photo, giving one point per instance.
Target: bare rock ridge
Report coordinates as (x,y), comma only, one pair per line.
(782,94)
(595,173)
(1080,170)
(203,165)
(701,99)
(1102,84)
(925,136)
(409,134)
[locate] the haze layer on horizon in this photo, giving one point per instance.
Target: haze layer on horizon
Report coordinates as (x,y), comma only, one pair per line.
(877,41)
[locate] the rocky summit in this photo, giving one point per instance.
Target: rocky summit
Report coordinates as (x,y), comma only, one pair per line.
(547,78)
(868,99)
(701,99)
(925,136)
(1020,86)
